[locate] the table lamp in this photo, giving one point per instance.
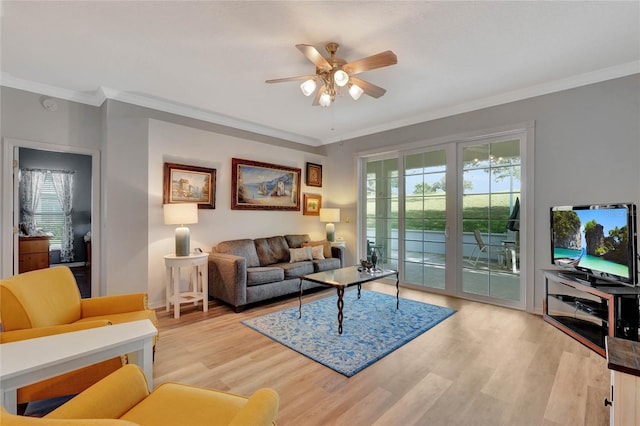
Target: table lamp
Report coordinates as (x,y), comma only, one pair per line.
(181,214)
(330,216)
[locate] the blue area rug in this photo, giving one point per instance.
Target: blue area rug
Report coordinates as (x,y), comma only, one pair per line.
(372,328)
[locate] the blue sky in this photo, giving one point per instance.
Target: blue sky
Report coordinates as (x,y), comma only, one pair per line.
(608,218)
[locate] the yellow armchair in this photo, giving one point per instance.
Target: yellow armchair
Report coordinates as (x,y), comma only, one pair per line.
(45,298)
(122,398)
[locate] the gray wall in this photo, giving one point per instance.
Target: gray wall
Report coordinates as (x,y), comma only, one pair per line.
(587,150)
(81,164)
(587,143)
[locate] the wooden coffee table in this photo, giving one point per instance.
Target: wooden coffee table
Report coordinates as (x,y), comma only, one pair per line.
(346,277)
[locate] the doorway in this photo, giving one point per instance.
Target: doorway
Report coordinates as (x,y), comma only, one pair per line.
(85,163)
(54,206)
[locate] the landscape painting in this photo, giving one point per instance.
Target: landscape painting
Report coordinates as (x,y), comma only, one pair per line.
(189,184)
(264,186)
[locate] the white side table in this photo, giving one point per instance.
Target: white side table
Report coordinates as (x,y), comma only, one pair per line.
(339,243)
(198,281)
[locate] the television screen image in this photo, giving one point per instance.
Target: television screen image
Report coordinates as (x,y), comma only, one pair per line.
(596,240)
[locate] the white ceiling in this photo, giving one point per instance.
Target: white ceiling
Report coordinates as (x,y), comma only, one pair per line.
(209,59)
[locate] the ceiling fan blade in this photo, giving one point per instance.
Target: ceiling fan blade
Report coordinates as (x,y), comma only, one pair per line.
(316,100)
(372,62)
(282,80)
(368,88)
(314,56)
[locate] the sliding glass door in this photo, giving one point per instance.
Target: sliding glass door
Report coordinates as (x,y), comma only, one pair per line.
(448,217)
(425,218)
(381,212)
(490,219)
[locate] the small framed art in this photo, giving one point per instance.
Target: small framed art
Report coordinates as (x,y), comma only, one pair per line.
(314,174)
(312,204)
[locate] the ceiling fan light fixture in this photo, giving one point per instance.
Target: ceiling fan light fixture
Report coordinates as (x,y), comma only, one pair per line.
(325,99)
(333,73)
(341,78)
(308,87)
(355,91)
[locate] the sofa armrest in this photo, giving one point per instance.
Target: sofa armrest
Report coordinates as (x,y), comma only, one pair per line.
(260,409)
(32,333)
(228,278)
(338,253)
(109,305)
(110,398)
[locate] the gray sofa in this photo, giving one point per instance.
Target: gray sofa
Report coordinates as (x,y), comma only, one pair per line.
(248,271)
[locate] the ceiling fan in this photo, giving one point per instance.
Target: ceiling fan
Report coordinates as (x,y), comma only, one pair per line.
(333,73)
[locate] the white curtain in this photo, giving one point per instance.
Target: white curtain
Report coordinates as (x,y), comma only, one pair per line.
(30,188)
(63,184)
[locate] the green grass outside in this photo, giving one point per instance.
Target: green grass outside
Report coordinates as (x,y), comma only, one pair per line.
(428,213)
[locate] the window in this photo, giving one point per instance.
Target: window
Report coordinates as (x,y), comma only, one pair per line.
(49,215)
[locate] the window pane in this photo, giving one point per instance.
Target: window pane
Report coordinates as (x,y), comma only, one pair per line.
(49,215)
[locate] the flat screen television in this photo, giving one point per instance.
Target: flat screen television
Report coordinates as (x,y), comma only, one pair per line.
(596,242)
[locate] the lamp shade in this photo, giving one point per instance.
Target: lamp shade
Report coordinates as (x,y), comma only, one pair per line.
(355,91)
(341,78)
(308,87)
(329,215)
(325,99)
(180,213)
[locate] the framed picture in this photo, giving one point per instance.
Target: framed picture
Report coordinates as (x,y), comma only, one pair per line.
(189,184)
(264,186)
(314,174)
(311,204)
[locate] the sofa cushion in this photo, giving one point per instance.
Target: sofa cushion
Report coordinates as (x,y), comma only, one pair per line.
(325,244)
(264,275)
(326,264)
(317,252)
(272,250)
(296,270)
(244,248)
(300,254)
(295,241)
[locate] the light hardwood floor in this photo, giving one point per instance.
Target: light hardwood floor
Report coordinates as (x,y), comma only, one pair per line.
(485,365)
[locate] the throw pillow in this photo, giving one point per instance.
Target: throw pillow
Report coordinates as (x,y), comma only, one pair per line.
(316,252)
(325,244)
(300,254)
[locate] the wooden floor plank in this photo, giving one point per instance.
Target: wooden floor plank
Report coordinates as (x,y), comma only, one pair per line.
(485,365)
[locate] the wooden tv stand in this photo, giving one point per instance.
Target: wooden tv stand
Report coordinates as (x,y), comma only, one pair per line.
(589,313)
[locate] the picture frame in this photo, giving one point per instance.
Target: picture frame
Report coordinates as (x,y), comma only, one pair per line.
(314,175)
(264,186)
(189,184)
(311,204)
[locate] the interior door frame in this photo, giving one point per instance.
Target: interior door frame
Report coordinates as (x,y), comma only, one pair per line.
(10,213)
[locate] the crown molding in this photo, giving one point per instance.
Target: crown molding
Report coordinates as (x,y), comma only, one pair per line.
(100,95)
(87,98)
(572,82)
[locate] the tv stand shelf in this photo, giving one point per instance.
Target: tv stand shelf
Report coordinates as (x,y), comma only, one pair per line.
(590,312)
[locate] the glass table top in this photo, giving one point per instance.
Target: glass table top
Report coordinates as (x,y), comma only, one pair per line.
(348,276)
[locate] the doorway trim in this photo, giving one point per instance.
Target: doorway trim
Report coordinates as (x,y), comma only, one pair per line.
(10,216)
